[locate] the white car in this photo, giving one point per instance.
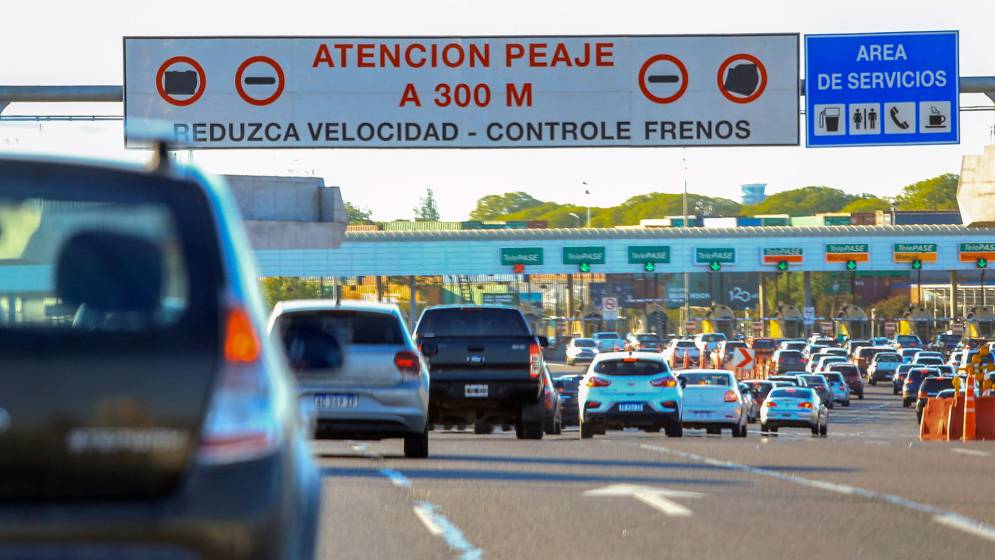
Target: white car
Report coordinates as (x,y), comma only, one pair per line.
(629,390)
(609,341)
(928,358)
(707,342)
(712,401)
(678,348)
(826,361)
(581,350)
(794,407)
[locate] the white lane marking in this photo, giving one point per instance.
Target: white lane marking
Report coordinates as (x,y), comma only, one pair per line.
(438,525)
(971,452)
(396,478)
(948,518)
(656,498)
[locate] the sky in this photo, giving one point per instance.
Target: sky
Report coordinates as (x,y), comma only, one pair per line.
(70,43)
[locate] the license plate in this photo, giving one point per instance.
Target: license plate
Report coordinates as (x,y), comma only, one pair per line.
(701,413)
(630,407)
(336,401)
(475,391)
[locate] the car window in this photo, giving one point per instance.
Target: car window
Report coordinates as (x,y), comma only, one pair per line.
(833,377)
(349,327)
(584,343)
(103,258)
(713,337)
(567,383)
(630,366)
(814,379)
(791,354)
(647,338)
(761,388)
(472,321)
(685,343)
(931,384)
(791,393)
(887,358)
(706,379)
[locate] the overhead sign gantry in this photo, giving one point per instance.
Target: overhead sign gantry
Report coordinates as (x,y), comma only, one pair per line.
(465,92)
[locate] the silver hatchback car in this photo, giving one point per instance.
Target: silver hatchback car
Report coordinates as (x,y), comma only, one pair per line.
(382,388)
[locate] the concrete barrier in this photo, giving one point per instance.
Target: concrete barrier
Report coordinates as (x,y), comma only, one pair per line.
(934,420)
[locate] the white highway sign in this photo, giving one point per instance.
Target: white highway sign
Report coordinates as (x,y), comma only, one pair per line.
(465,92)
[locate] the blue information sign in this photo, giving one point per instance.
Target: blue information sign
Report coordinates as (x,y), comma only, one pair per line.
(882,89)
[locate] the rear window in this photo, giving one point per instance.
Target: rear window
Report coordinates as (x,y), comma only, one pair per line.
(906,339)
(931,384)
(929,360)
(846,371)
(713,337)
(706,379)
(761,388)
(607,336)
(887,358)
(630,367)
(472,322)
(584,343)
(93,251)
(348,327)
(917,375)
(567,383)
(764,344)
(647,338)
(685,343)
(789,354)
(791,393)
(814,379)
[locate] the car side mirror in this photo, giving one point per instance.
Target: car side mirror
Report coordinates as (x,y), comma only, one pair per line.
(683,381)
(543,341)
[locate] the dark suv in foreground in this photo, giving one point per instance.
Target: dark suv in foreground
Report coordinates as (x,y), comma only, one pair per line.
(148,414)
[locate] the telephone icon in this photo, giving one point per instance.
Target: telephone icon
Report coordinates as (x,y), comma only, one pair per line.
(899,122)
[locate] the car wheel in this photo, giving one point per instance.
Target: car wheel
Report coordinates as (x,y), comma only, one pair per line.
(824,429)
(586,430)
(764,427)
(831,405)
(860,396)
(460,427)
(653,430)
(416,445)
(815,429)
(872,381)
(773,429)
(713,431)
(559,427)
(529,430)
(906,403)
(506,427)
(482,429)
(549,426)
(675,429)
(739,431)
(846,403)
(894,390)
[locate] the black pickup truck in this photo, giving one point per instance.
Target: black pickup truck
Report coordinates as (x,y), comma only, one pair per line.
(485,366)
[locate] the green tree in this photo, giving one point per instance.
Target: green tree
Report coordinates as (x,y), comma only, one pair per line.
(427,211)
(804,201)
(938,193)
(280,288)
(867,203)
(890,308)
(357,215)
(492,206)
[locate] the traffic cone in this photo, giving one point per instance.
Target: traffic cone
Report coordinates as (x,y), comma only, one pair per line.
(970,416)
(687,359)
(702,360)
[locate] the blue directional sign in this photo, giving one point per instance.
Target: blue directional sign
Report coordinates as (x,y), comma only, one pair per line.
(882,89)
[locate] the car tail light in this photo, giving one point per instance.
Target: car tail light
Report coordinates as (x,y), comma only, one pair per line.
(241,423)
(805,405)
(630,360)
(770,404)
(407,363)
(592,404)
(669,404)
(664,382)
(597,382)
(922,395)
(730,396)
(535,360)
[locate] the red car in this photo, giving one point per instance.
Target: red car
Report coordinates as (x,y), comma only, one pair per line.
(851,374)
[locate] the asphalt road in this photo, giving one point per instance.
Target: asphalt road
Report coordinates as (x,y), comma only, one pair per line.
(871,490)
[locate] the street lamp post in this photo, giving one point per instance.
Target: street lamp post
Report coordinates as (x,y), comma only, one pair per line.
(576,217)
(587,191)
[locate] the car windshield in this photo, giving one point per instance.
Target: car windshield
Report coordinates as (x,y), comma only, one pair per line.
(833,377)
(887,358)
(647,338)
(584,343)
(763,344)
(472,321)
(790,354)
(685,343)
(606,335)
(814,379)
(713,337)
(630,366)
(791,393)
(846,370)
(706,379)
(935,384)
(907,339)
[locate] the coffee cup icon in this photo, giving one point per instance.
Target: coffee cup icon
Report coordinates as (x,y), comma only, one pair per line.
(936,118)
(829,119)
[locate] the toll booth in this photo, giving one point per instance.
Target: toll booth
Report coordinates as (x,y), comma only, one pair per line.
(653,319)
(851,322)
(917,320)
(980,322)
(719,319)
(788,322)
